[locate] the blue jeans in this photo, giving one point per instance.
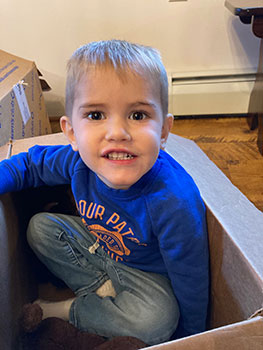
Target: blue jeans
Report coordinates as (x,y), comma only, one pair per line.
(144,307)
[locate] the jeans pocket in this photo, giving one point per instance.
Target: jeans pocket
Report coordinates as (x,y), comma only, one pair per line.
(74,255)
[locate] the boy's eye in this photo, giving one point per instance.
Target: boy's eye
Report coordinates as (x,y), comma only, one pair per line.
(138,116)
(95,115)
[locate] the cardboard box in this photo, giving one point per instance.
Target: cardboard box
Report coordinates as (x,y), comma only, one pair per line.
(22,107)
(235,229)
(246,335)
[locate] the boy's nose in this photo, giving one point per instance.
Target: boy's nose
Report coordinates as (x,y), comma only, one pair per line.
(117,130)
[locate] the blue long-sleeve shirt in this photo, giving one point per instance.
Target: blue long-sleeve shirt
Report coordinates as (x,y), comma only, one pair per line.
(157,225)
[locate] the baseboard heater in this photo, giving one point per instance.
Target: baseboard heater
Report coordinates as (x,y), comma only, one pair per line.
(210,93)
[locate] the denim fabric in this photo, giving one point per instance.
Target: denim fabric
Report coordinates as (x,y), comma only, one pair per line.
(144,307)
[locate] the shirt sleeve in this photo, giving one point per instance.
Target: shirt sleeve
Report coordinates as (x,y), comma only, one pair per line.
(184,247)
(41,165)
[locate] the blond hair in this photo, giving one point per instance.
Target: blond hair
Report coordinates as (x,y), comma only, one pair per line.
(122,56)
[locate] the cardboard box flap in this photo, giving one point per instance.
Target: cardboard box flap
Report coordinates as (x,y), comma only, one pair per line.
(43,82)
(232,208)
(235,237)
(23,145)
(44,85)
(244,335)
(12,67)
(22,107)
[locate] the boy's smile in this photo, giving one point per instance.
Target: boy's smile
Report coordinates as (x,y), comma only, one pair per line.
(117,125)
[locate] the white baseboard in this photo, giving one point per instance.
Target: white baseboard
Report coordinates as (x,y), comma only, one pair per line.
(210,92)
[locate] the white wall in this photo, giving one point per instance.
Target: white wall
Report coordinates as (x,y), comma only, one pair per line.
(192,35)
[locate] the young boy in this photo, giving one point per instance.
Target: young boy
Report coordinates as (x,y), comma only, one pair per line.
(137,257)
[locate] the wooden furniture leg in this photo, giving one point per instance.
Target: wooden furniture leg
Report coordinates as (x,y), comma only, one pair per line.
(251,12)
(252,120)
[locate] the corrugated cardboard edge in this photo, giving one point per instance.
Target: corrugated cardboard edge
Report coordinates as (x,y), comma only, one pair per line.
(257,313)
(244,335)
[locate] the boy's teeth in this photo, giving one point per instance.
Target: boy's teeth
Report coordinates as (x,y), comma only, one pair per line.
(119,156)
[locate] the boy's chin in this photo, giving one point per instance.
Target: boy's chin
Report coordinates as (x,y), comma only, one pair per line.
(117,185)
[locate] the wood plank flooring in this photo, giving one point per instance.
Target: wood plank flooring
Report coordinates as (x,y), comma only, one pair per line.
(232,146)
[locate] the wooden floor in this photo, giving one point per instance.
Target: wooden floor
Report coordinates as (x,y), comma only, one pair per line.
(231,145)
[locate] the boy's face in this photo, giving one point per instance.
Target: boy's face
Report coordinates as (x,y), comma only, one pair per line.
(117,125)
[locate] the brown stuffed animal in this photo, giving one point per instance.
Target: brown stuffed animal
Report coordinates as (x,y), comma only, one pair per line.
(56,334)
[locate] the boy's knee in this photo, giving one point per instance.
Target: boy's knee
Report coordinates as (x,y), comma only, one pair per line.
(156,325)
(37,229)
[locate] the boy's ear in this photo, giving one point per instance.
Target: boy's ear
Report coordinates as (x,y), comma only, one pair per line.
(67,128)
(167,125)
